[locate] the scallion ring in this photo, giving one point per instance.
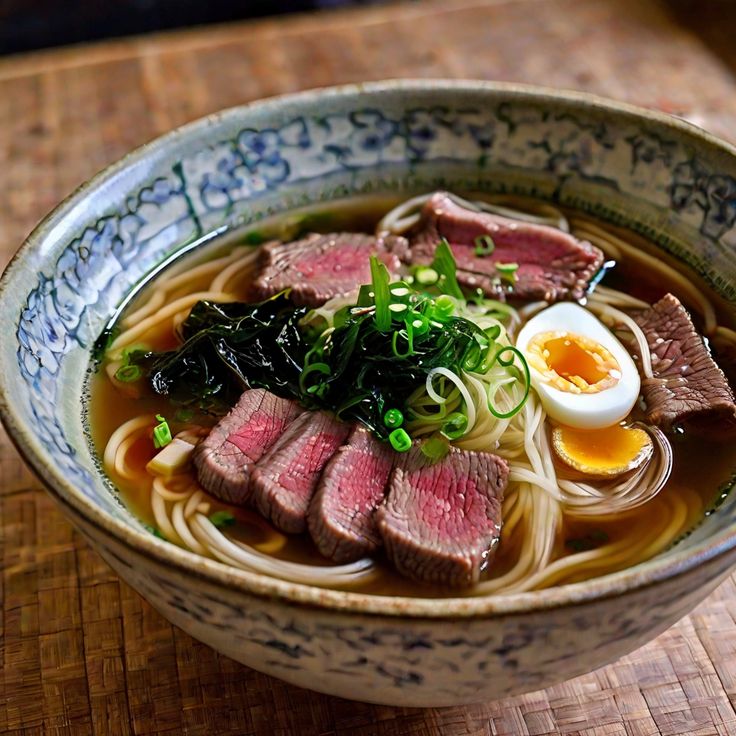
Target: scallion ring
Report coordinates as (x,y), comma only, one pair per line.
(321,368)
(484,245)
(455,426)
(506,363)
(128,373)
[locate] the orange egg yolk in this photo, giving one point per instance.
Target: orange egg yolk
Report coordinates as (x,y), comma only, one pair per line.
(602,452)
(568,359)
(573,363)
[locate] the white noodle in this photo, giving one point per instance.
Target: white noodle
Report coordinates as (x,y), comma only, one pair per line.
(180,524)
(402,217)
(617,315)
(457,381)
(123,431)
(252,559)
(158,505)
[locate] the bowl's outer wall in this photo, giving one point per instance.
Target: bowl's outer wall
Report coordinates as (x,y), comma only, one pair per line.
(663,179)
(406,661)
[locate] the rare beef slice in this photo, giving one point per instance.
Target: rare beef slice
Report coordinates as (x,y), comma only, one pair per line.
(285,478)
(687,387)
(224,459)
(441,522)
(320,267)
(552,265)
(341,516)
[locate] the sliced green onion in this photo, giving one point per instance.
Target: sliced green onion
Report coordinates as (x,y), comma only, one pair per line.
(316,352)
(508,271)
(444,264)
(128,373)
(408,335)
(399,288)
(397,308)
(426,276)
(477,352)
(321,368)
(161,433)
(393,418)
(443,307)
(493,332)
(382,294)
(484,245)
(435,448)
(506,363)
(137,348)
(455,425)
(474,357)
(366,296)
(419,322)
(222,518)
(400,440)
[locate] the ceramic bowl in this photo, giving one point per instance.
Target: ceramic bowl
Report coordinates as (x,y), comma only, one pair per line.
(655,174)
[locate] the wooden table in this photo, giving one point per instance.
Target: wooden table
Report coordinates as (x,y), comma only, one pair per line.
(81,652)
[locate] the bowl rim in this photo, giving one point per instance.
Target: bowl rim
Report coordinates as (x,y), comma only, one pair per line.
(648,573)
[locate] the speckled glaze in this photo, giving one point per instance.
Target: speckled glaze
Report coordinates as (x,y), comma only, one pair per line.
(659,176)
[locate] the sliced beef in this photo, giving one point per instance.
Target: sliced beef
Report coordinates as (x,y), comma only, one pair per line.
(224,459)
(320,267)
(441,522)
(553,265)
(285,478)
(688,387)
(341,515)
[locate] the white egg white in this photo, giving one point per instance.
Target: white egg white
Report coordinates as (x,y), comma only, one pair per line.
(582,410)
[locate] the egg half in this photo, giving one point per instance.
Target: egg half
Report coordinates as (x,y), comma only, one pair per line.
(583,375)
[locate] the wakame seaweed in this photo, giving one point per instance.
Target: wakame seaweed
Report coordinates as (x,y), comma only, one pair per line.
(228,348)
(356,373)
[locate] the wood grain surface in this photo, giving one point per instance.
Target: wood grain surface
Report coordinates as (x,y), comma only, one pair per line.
(83,654)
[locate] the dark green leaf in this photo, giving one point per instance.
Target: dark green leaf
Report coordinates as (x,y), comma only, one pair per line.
(381,294)
(444,265)
(227,348)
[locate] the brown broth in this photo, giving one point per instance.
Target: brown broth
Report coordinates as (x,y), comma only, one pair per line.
(700,464)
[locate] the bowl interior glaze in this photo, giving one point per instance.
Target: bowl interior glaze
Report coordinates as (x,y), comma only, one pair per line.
(659,176)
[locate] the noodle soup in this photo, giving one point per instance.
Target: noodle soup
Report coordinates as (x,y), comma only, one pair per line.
(563,520)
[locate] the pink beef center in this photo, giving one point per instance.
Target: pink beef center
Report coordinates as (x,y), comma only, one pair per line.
(257,434)
(451,506)
(337,263)
(510,248)
(300,476)
(360,492)
(340,263)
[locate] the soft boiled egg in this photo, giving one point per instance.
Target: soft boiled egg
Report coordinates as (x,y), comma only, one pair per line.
(583,375)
